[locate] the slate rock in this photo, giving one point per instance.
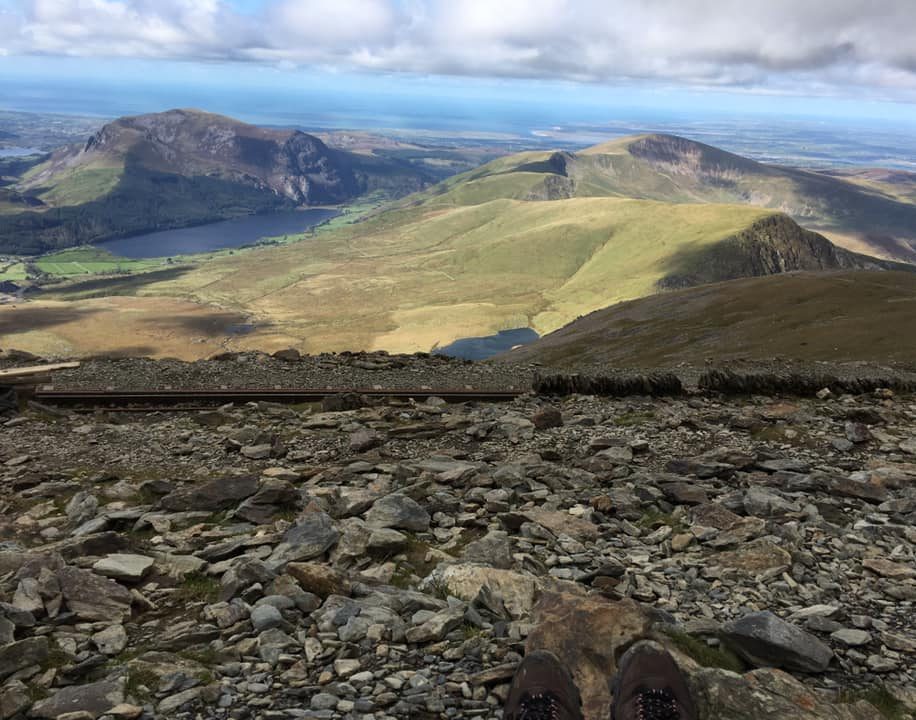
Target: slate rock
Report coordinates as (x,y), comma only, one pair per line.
(768,693)
(96,699)
(274,495)
(398,511)
(436,627)
(265,617)
(14,698)
(92,597)
(21,654)
(313,535)
(363,440)
(494,549)
(850,637)
(319,579)
(243,573)
(765,640)
(122,566)
(684,493)
(111,641)
(547,418)
(213,495)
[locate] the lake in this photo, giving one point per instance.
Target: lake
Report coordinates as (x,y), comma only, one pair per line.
(216,236)
(18,151)
(481,348)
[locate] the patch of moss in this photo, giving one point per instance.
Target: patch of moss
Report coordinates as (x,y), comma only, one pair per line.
(203,656)
(883,699)
(402,578)
(37,693)
(287,514)
(57,656)
(438,589)
(198,587)
(141,682)
(654,519)
(469,631)
(705,655)
(138,540)
(634,418)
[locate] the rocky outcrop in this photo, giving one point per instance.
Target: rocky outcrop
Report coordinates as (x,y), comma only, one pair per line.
(775,244)
(290,163)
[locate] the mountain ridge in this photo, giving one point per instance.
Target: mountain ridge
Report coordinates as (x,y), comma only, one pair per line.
(184,167)
(866,218)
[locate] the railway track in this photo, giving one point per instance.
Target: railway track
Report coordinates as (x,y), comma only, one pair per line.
(147,400)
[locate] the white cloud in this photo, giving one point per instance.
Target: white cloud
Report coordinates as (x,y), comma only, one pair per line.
(765,44)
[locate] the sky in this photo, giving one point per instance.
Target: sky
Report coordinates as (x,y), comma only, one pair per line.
(819,58)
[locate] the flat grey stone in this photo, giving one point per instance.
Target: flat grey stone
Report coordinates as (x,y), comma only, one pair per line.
(398,511)
(95,699)
(122,566)
(851,637)
(765,640)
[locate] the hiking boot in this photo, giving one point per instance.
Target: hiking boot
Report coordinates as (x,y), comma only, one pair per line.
(542,689)
(650,686)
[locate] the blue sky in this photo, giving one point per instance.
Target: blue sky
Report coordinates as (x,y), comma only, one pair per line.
(829,59)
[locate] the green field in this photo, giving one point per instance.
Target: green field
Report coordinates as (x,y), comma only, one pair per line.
(92,261)
(12,271)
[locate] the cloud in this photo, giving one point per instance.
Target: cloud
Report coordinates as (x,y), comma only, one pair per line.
(785,45)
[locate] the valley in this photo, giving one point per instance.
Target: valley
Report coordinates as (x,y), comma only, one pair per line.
(532,240)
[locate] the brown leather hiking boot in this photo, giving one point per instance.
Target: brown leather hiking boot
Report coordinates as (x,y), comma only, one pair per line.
(650,686)
(542,689)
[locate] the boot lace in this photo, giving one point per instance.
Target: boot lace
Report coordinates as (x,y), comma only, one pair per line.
(658,704)
(539,706)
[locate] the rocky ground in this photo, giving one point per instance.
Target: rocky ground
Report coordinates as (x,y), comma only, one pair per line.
(287,369)
(397,560)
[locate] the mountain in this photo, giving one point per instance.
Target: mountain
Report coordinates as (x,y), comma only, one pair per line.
(527,241)
(179,168)
(840,316)
(870,217)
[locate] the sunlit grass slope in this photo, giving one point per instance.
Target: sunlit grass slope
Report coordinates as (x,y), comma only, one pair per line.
(419,277)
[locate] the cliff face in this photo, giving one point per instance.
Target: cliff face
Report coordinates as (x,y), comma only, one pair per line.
(775,244)
(289,163)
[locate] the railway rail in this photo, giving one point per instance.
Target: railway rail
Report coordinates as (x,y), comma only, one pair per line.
(203,399)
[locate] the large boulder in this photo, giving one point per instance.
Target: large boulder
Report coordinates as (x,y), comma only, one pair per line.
(95,699)
(123,566)
(16,656)
(517,589)
(309,538)
(92,597)
(588,634)
(768,693)
(398,511)
(765,640)
(213,495)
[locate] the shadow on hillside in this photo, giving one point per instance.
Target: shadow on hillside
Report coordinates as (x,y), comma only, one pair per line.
(122,285)
(22,319)
(125,352)
(214,325)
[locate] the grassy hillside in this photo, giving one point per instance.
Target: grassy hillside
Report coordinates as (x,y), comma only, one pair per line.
(871,213)
(840,316)
(423,276)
